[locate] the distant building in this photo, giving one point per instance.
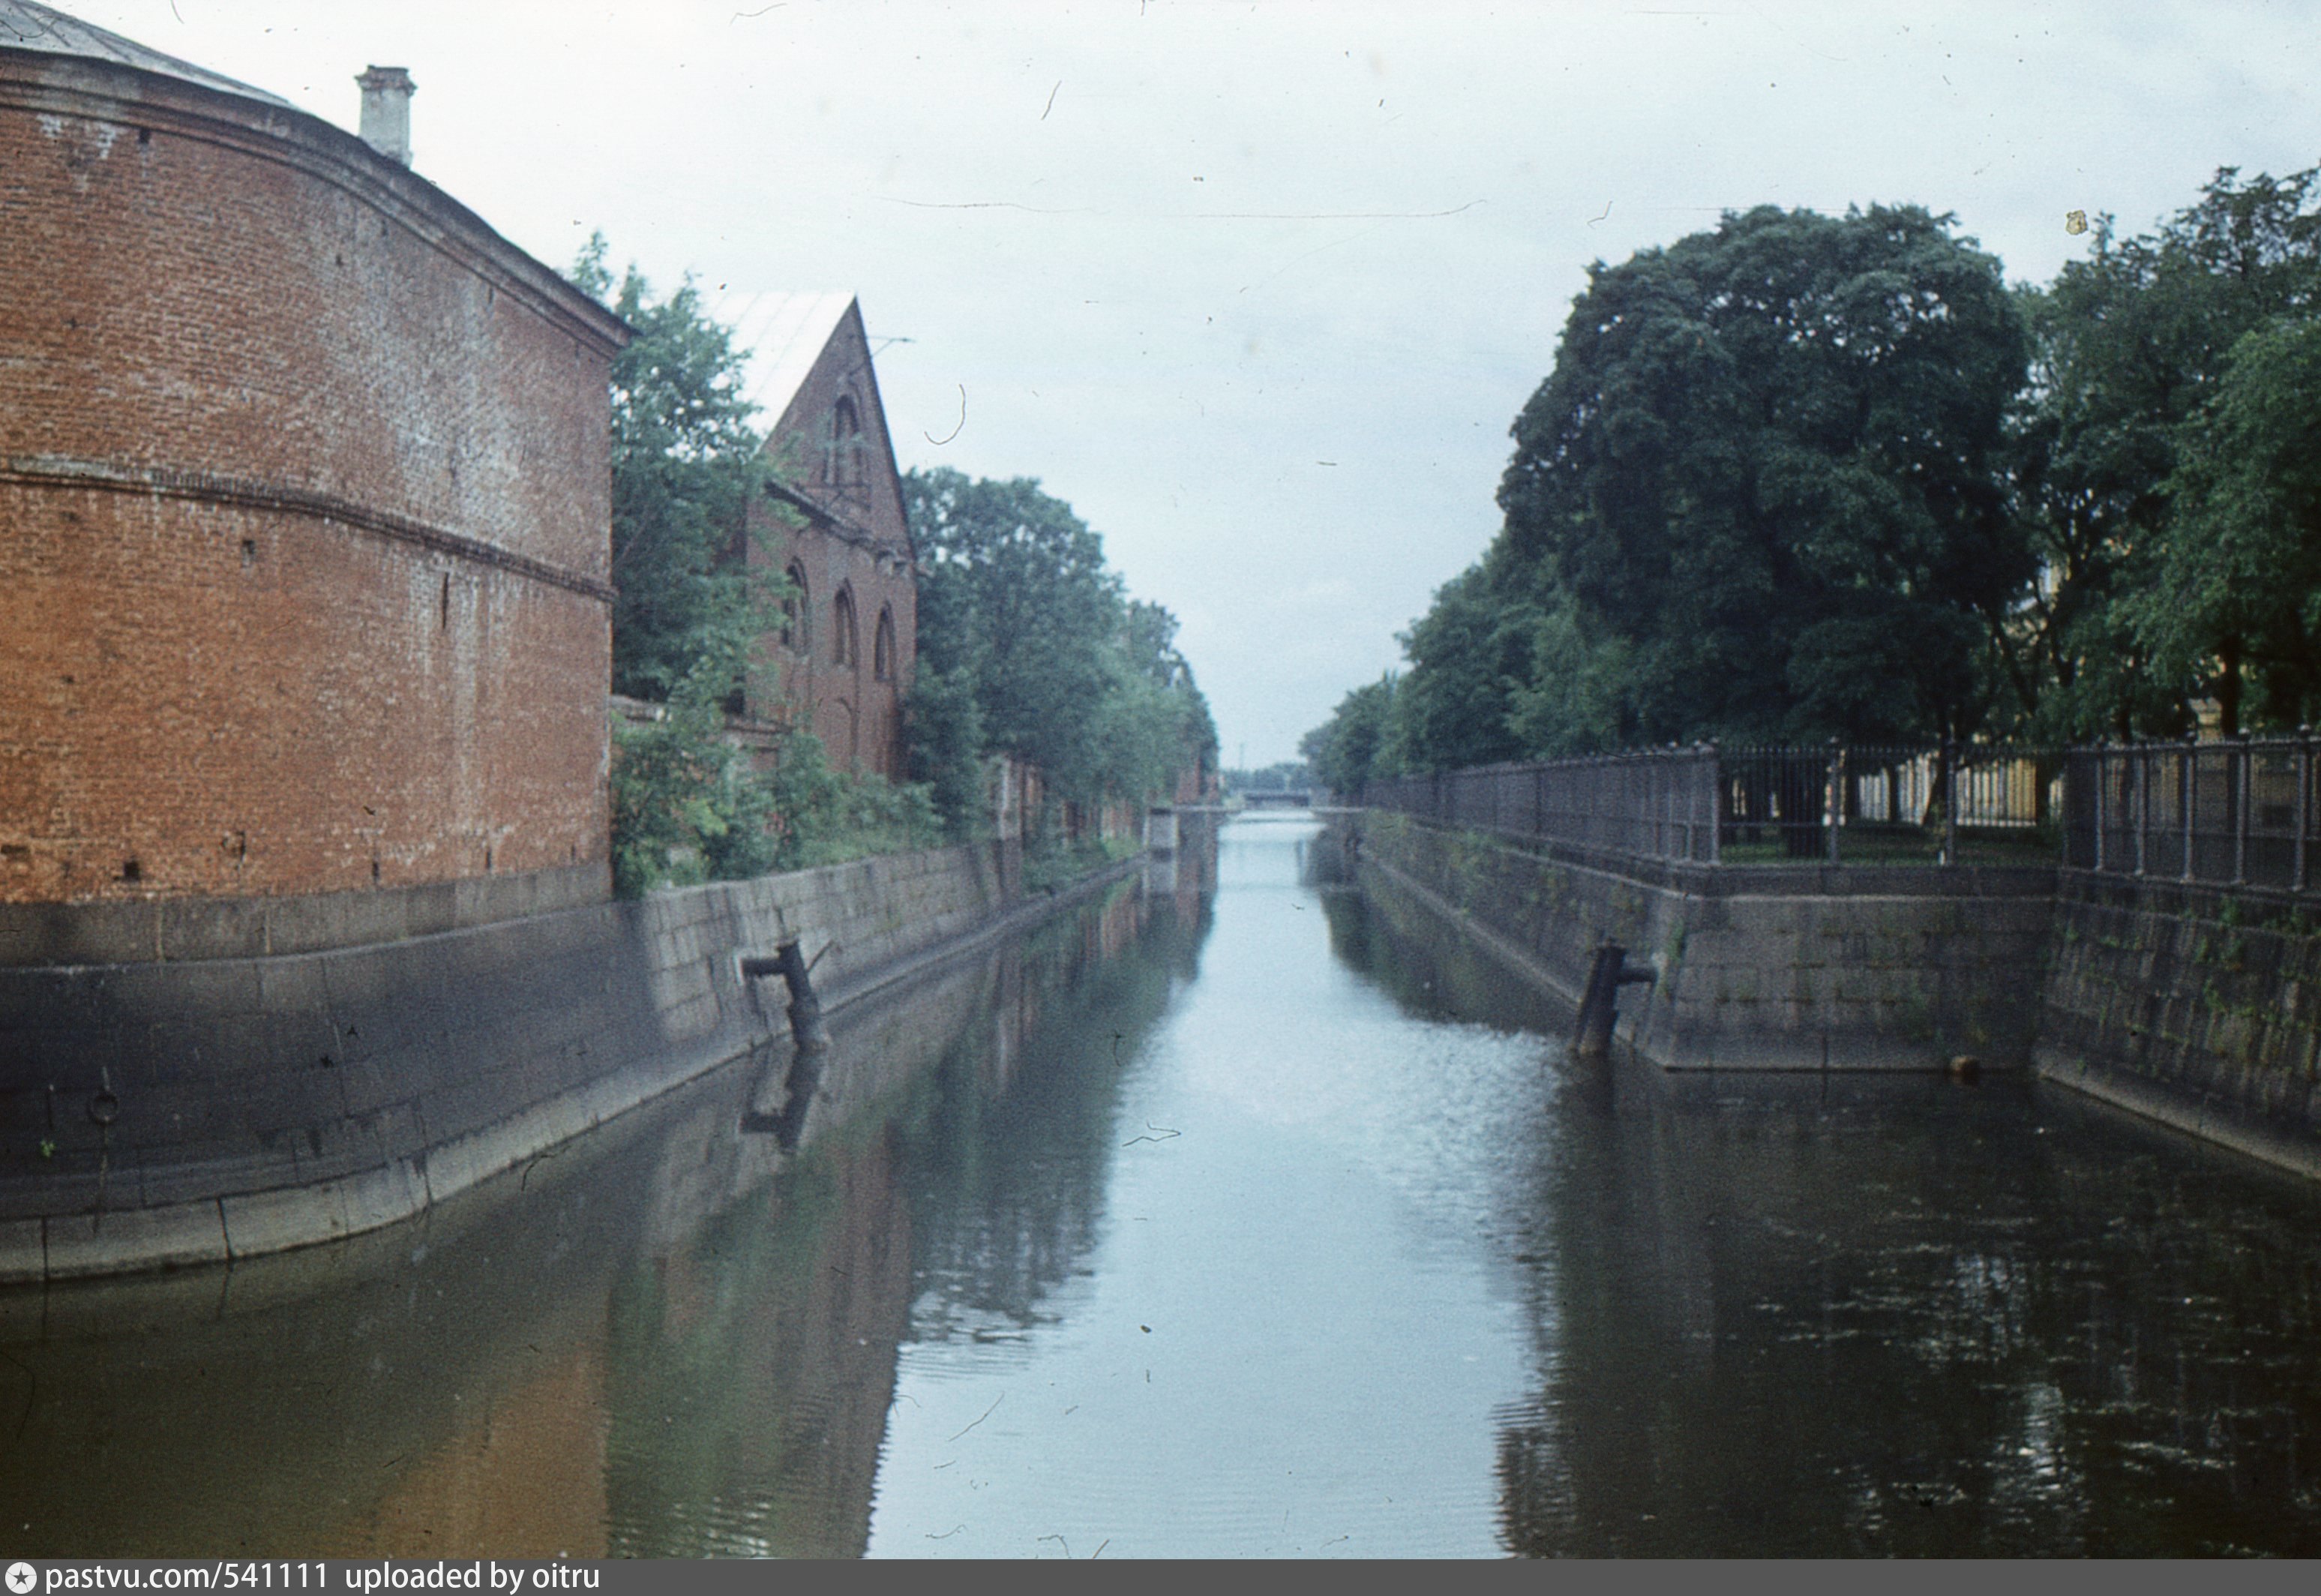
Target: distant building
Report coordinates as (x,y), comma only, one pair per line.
(833,522)
(1198,781)
(305,524)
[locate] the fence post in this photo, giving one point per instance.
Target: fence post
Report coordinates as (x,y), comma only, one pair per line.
(2304,800)
(1715,803)
(2191,791)
(1833,798)
(1688,776)
(2139,766)
(2244,767)
(2102,763)
(1950,800)
(1671,784)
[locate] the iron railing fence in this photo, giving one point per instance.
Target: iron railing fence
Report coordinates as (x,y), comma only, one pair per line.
(1656,804)
(1868,802)
(1707,804)
(2239,811)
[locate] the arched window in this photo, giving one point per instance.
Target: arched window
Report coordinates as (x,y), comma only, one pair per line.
(882,647)
(795,610)
(842,646)
(841,461)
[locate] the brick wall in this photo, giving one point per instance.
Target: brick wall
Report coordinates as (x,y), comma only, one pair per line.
(305,490)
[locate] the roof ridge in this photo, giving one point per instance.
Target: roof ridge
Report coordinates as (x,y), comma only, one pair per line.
(780,333)
(27,26)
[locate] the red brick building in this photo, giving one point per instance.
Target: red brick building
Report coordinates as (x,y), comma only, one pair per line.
(833,522)
(304,503)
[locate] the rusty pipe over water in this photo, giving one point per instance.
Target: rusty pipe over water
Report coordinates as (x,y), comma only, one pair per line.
(1599,1005)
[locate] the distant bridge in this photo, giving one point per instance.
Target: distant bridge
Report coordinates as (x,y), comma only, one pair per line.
(1295,797)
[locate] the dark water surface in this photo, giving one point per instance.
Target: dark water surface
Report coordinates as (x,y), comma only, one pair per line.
(1234,1215)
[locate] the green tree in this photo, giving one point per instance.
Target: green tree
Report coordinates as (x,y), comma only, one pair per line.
(1028,645)
(2234,603)
(1576,699)
(1016,596)
(1285,775)
(942,727)
(684,462)
(685,807)
(1766,477)
(1163,719)
(1470,654)
(2129,344)
(1349,750)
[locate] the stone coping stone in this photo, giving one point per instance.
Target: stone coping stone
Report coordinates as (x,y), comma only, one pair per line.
(1818,879)
(2201,900)
(172,930)
(115,1243)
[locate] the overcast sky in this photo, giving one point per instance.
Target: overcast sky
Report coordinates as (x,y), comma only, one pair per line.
(1258,289)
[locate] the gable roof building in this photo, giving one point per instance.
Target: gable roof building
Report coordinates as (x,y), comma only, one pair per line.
(832,520)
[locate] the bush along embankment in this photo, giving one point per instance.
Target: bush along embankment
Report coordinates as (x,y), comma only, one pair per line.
(1031,652)
(1036,673)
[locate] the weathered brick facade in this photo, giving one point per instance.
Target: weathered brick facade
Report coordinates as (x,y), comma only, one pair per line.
(834,524)
(304,510)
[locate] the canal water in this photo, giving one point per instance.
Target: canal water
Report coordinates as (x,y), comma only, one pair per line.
(1238,1213)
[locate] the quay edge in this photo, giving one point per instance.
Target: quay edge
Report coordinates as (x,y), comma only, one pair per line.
(2192,1007)
(172,1113)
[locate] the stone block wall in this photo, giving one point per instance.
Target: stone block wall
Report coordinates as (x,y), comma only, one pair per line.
(168,1113)
(2191,1005)
(1876,968)
(1840,967)
(2197,1007)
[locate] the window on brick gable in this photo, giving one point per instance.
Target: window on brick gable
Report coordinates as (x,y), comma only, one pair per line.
(842,650)
(795,610)
(882,647)
(842,460)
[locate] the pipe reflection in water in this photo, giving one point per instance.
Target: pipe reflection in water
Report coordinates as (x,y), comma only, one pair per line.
(665,1338)
(1243,1210)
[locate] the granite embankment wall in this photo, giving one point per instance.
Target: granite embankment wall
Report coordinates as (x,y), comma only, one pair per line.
(166,1112)
(2197,1007)
(1771,968)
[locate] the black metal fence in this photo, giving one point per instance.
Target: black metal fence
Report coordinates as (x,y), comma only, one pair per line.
(2238,811)
(1658,804)
(1708,804)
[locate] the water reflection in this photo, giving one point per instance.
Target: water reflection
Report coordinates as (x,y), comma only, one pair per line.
(1861,1315)
(668,1338)
(1244,1212)
(1261,1323)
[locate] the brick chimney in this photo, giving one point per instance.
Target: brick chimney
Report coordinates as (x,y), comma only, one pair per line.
(386,94)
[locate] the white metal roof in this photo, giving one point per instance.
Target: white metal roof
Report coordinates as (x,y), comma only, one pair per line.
(26,26)
(781,336)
